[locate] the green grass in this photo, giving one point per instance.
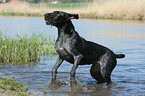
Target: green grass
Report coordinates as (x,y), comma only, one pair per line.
(11,87)
(59,5)
(112,9)
(20,14)
(24,49)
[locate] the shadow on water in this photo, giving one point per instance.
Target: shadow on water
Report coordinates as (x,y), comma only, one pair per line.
(123,37)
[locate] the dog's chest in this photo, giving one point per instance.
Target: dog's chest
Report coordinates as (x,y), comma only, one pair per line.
(64,47)
(64,50)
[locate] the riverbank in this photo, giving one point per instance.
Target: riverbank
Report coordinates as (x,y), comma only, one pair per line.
(9,87)
(122,10)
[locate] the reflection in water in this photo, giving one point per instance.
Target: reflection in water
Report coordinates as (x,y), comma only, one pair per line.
(127,37)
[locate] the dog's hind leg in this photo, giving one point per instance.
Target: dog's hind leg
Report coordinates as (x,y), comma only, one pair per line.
(54,70)
(102,75)
(102,70)
(96,73)
(107,64)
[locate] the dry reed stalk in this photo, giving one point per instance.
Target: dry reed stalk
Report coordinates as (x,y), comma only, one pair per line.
(112,9)
(116,9)
(24,8)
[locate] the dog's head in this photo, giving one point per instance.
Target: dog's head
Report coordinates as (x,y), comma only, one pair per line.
(58,18)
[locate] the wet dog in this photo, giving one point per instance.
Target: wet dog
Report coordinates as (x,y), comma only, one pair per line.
(78,51)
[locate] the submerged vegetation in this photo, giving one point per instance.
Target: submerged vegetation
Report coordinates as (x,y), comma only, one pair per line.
(12,88)
(109,9)
(24,49)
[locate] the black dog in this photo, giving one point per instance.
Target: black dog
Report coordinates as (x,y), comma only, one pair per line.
(78,51)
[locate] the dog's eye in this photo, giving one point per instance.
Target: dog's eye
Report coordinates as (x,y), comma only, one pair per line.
(58,14)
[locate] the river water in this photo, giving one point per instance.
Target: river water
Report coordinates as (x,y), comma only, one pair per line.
(126,37)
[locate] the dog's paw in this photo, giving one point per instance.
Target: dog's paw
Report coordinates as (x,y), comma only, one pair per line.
(75,86)
(112,84)
(73,83)
(54,84)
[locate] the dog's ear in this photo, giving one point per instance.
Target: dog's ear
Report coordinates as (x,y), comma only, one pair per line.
(73,16)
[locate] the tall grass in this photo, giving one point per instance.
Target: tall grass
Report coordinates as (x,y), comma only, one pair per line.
(24,49)
(110,9)
(59,5)
(116,9)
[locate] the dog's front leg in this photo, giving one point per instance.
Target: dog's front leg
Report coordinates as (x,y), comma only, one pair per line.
(54,70)
(77,60)
(54,83)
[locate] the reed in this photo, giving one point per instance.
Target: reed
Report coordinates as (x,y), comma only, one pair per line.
(38,9)
(24,49)
(116,9)
(110,9)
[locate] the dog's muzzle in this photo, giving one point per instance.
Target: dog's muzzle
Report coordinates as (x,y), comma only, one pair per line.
(47,22)
(46,18)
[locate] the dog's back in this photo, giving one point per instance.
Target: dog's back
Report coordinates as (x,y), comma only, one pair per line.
(75,49)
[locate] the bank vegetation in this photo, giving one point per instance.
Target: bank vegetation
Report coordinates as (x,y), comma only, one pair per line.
(24,49)
(10,87)
(109,9)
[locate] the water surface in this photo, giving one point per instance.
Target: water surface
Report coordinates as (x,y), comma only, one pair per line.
(126,37)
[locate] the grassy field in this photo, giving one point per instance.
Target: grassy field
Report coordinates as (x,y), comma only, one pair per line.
(111,9)
(36,9)
(24,49)
(59,5)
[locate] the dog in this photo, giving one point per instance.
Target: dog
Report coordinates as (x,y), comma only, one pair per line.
(78,51)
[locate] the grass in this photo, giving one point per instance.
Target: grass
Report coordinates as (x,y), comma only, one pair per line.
(117,9)
(110,9)
(59,5)
(35,9)
(12,88)
(24,49)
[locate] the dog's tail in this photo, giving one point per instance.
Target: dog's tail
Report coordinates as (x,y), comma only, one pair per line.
(120,55)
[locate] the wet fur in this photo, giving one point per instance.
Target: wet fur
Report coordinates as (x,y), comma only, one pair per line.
(78,51)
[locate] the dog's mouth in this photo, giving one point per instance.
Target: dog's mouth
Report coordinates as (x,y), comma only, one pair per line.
(47,22)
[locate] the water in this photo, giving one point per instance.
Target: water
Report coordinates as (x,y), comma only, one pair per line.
(126,37)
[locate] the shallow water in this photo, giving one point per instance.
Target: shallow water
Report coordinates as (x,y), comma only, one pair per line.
(126,37)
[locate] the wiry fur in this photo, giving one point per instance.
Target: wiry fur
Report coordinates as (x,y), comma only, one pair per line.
(78,51)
